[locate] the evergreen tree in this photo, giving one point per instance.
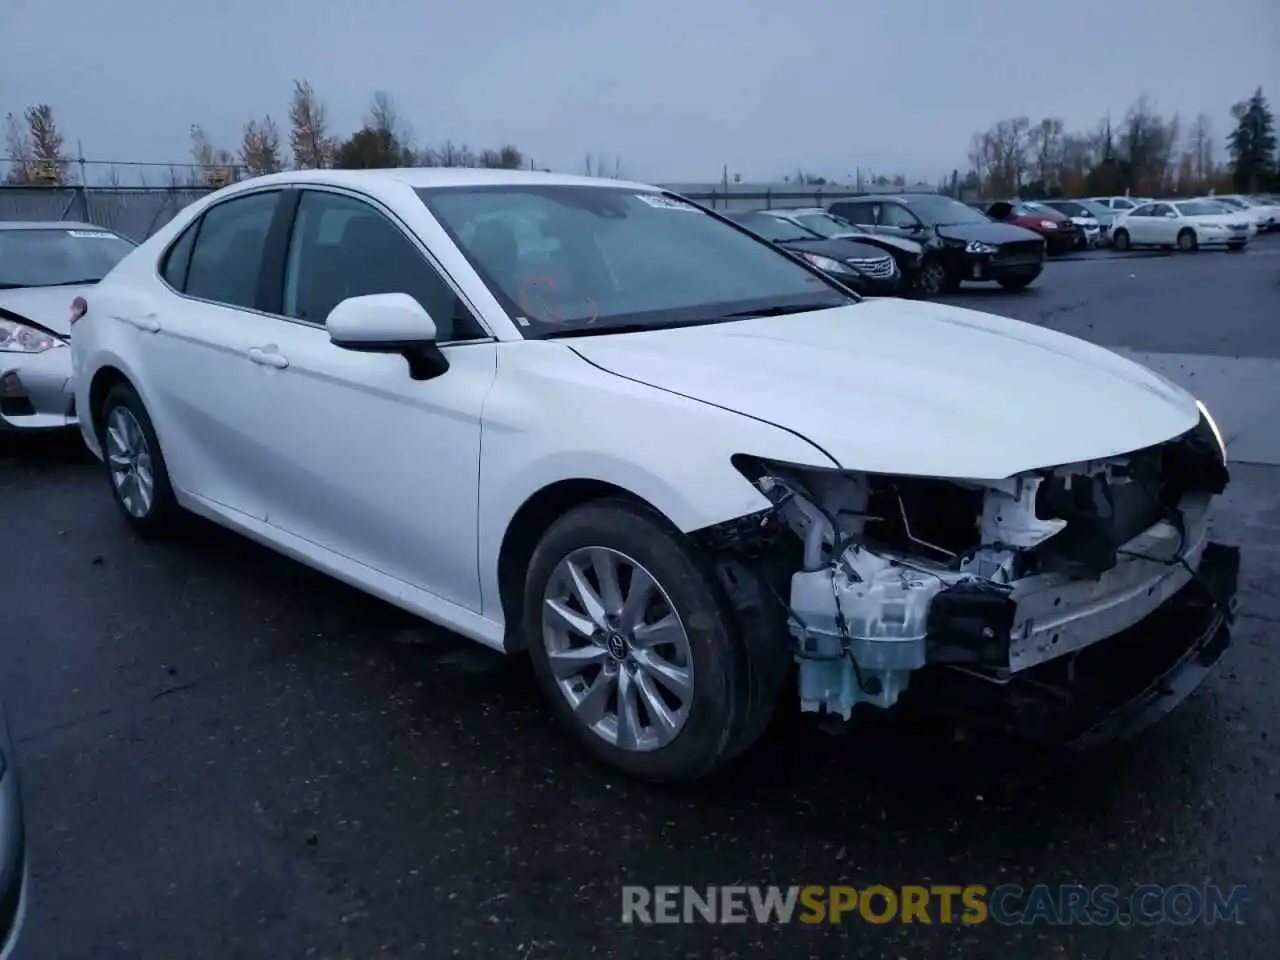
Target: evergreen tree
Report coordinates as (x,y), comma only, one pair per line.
(1252,145)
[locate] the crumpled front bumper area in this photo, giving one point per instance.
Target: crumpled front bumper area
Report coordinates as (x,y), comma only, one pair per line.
(36,391)
(1110,690)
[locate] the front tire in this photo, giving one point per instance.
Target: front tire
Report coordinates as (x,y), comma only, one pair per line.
(630,642)
(1187,240)
(936,278)
(1121,240)
(135,465)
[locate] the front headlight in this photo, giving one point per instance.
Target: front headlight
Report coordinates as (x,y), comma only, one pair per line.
(1048,225)
(19,338)
(1213,425)
(977,246)
(828,265)
(1211,226)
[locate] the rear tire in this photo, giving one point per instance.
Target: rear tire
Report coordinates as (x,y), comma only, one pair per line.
(1187,240)
(1121,240)
(135,465)
(707,712)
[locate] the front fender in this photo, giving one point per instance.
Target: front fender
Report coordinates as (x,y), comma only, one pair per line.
(552,417)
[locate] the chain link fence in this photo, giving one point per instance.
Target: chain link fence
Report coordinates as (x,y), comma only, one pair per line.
(134,212)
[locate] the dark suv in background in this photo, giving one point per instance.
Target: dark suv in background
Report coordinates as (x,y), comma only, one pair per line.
(961,244)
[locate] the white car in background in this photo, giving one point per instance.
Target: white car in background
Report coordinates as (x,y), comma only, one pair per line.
(677,465)
(1185,224)
(42,266)
(1265,217)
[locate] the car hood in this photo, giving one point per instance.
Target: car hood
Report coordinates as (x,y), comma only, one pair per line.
(836,249)
(883,241)
(48,306)
(912,388)
(991,232)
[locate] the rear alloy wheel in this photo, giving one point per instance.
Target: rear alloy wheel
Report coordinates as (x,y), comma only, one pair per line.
(1121,240)
(135,465)
(632,645)
(936,279)
(1187,240)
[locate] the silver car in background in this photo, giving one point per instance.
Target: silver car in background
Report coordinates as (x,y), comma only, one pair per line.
(44,266)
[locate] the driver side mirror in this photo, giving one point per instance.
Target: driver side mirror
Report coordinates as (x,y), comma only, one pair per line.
(388,323)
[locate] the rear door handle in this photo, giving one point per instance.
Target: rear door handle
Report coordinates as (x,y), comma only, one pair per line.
(268,358)
(146,322)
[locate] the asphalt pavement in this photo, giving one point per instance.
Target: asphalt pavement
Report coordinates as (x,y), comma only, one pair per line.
(226,755)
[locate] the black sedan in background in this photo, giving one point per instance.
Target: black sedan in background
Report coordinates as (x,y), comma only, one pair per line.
(907,254)
(13,860)
(970,246)
(865,269)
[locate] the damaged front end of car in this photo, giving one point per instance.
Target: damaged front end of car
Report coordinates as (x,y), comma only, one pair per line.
(1021,602)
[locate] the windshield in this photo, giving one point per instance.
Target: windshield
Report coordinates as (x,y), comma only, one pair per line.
(1198,208)
(773,228)
(43,257)
(826,225)
(941,211)
(1231,202)
(580,259)
(1124,203)
(1095,209)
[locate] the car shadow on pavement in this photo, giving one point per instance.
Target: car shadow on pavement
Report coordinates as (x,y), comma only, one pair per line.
(44,451)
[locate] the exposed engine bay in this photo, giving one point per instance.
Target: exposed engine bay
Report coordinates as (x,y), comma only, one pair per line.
(883,576)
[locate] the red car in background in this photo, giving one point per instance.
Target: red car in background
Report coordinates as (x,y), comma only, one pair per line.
(1060,234)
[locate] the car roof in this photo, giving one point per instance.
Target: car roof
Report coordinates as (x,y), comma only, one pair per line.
(52,225)
(423,177)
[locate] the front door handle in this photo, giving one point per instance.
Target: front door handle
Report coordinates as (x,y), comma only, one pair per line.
(146,322)
(268,358)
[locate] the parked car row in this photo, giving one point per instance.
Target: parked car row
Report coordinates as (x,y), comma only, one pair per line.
(648,444)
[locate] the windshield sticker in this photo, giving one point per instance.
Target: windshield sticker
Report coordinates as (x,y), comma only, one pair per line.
(91,234)
(664,203)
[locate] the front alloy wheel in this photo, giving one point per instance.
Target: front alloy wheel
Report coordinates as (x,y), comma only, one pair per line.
(934,279)
(129,460)
(637,648)
(617,649)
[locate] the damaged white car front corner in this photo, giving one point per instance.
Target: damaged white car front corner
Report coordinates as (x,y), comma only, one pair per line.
(998,582)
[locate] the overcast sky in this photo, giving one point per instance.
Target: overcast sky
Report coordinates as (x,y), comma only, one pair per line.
(676,88)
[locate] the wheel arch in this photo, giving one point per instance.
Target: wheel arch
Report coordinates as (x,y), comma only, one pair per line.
(104,379)
(530,523)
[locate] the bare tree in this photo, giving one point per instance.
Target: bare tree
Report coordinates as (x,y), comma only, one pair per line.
(981,157)
(1147,145)
(17,143)
(309,139)
(1004,148)
(51,164)
(1200,144)
(384,117)
(600,165)
(260,147)
(215,166)
(1045,145)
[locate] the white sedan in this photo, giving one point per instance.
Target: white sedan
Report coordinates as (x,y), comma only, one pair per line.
(1186,224)
(591,420)
(1264,216)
